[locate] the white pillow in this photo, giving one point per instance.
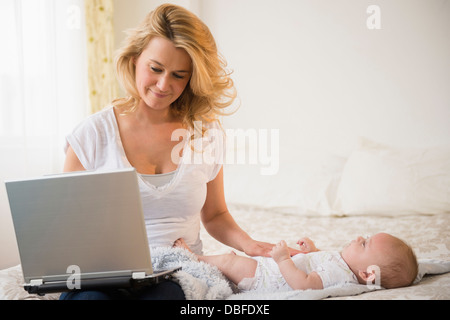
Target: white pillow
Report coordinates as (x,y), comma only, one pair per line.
(383,180)
(298,188)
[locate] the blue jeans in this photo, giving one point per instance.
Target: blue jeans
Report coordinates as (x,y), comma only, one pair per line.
(166,290)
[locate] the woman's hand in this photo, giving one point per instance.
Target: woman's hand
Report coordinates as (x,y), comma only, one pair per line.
(258,249)
(263,249)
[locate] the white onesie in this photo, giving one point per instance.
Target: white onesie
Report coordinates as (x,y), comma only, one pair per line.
(329,265)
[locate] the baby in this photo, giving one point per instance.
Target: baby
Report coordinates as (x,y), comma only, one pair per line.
(381,259)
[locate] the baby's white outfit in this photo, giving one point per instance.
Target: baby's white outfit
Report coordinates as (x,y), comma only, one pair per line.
(329,265)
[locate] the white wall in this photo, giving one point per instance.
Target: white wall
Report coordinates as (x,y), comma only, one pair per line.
(314,70)
(317,71)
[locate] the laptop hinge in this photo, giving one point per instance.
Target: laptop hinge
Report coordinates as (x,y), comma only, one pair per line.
(138,275)
(36,282)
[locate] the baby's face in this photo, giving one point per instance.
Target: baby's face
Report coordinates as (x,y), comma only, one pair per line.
(364,252)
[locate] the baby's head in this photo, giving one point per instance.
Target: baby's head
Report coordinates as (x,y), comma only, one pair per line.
(396,260)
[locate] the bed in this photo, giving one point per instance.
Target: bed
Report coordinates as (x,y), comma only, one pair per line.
(378,188)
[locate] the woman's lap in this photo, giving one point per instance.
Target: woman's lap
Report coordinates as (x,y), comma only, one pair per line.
(167,290)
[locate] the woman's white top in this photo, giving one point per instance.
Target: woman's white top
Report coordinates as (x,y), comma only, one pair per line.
(172,206)
(158,180)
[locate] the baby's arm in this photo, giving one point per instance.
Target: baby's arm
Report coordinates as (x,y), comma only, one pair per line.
(295,278)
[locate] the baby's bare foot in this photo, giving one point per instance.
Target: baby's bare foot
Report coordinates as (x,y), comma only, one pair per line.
(180,243)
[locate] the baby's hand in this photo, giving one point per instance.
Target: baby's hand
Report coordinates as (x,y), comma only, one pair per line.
(307,245)
(280,252)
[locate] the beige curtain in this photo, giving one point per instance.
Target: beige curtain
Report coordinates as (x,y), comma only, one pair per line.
(103,87)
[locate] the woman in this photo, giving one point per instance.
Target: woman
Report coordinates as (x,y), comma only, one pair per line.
(175,79)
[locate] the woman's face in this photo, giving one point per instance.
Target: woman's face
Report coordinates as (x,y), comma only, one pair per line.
(162,73)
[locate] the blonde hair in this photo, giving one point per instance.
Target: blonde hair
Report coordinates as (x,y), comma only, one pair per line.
(401,269)
(210,89)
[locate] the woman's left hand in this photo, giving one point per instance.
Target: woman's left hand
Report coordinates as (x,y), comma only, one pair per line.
(258,248)
(263,249)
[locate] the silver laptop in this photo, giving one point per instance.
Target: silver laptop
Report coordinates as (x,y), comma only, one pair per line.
(82,230)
